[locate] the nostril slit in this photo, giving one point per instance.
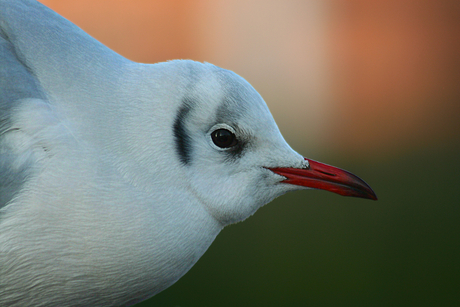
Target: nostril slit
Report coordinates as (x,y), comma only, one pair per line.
(328,174)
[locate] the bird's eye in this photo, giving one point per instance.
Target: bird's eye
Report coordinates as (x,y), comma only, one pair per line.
(223,138)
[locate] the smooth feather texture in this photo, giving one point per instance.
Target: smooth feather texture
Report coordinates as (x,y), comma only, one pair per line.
(98,206)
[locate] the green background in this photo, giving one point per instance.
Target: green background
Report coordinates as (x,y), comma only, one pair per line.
(314,248)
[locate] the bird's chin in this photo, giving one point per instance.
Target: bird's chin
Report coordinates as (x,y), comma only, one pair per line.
(257,200)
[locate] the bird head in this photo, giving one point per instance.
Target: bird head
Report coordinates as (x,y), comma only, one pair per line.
(226,148)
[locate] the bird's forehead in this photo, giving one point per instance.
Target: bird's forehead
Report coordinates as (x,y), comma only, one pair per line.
(227,98)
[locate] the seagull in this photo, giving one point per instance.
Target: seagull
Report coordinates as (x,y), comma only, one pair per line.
(116,176)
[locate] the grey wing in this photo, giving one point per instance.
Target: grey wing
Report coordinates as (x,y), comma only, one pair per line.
(17,84)
(44,60)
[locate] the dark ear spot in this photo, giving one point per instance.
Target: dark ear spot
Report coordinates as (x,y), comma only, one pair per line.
(181,135)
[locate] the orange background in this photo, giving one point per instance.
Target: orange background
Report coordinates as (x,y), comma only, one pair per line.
(364,78)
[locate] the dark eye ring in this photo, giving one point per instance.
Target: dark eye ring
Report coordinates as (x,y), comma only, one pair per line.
(223,138)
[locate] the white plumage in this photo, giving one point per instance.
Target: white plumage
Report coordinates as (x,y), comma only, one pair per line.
(117,176)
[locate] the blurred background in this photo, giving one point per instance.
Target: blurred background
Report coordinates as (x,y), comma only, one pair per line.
(369,86)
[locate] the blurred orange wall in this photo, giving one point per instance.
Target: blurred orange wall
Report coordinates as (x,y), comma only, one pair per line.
(396,73)
(362,78)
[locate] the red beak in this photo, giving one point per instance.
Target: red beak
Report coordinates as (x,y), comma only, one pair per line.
(325,177)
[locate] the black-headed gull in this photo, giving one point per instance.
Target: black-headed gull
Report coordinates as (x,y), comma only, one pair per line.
(115,176)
